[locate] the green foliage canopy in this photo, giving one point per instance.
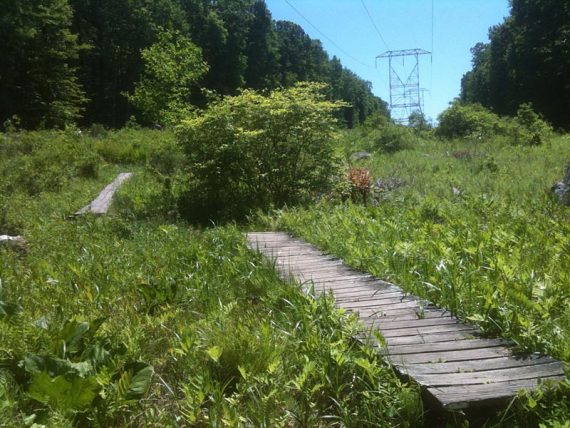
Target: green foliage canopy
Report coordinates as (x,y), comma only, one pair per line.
(172,65)
(38,82)
(526,60)
(252,151)
(478,123)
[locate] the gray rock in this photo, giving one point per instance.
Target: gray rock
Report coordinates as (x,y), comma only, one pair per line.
(389,184)
(361,155)
(562,188)
(16,243)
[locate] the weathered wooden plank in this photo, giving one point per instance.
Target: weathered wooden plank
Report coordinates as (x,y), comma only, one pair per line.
(462,397)
(400,317)
(294,253)
(491,376)
(268,247)
(343,291)
(383,299)
(430,337)
(352,286)
(334,278)
(399,314)
(450,356)
(432,329)
(293,249)
(272,237)
(101,204)
(392,314)
(292,245)
(387,325)
(475,366)
(316,269)
(307,260)
(379,305)
(367,295)
(458,345)
(378,300)
(446,336)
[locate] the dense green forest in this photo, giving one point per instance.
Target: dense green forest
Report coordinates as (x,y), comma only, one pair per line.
(526,61)
(78,60)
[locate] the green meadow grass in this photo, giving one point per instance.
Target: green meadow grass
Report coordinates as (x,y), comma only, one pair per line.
(137,319)
(474,228)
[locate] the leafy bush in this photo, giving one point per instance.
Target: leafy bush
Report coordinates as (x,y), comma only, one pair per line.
(476,122)
(380,134)
(33,162)
(465,120)
(534,126)
(253,151)
(172,65)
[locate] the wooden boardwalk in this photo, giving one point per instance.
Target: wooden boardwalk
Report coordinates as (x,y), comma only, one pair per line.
(101,204)
(456,368)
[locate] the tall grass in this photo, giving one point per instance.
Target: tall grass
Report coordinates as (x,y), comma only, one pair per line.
(137,319)
(474,229)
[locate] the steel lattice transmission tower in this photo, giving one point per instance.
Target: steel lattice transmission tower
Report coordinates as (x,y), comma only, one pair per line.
(405,94)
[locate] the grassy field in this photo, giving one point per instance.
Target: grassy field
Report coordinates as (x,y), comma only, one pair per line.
(138,319)
(471,226)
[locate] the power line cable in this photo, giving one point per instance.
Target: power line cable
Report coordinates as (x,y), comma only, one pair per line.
(332,42)
(374,24)
(431,56)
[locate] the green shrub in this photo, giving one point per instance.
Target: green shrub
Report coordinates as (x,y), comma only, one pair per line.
(33,162)
(469,120)
(380,134)
(254,151)
(476,122)
(172,66)
(534,127)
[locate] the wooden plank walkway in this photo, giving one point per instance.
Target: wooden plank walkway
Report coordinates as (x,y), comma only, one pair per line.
(101,204)
(456,368)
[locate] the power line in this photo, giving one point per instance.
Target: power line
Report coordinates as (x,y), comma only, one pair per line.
(431,57)
(326,37)
(374,24)
(432,13)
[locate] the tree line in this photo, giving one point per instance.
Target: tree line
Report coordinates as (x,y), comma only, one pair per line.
(69,61)
(527,60)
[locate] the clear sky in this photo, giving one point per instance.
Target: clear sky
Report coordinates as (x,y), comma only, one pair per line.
(346,30)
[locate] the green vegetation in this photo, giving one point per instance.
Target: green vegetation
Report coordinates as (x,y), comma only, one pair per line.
(107,61)
(470,225)
(276,150)
(139,318)
(133,319)
(477,123)
(525,61)
(172,66)
(142,318)
(39,85)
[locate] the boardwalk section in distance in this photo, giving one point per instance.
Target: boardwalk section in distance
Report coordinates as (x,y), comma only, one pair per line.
(454,365)
(100,205)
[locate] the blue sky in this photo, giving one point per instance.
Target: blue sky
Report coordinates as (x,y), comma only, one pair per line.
(403,24)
